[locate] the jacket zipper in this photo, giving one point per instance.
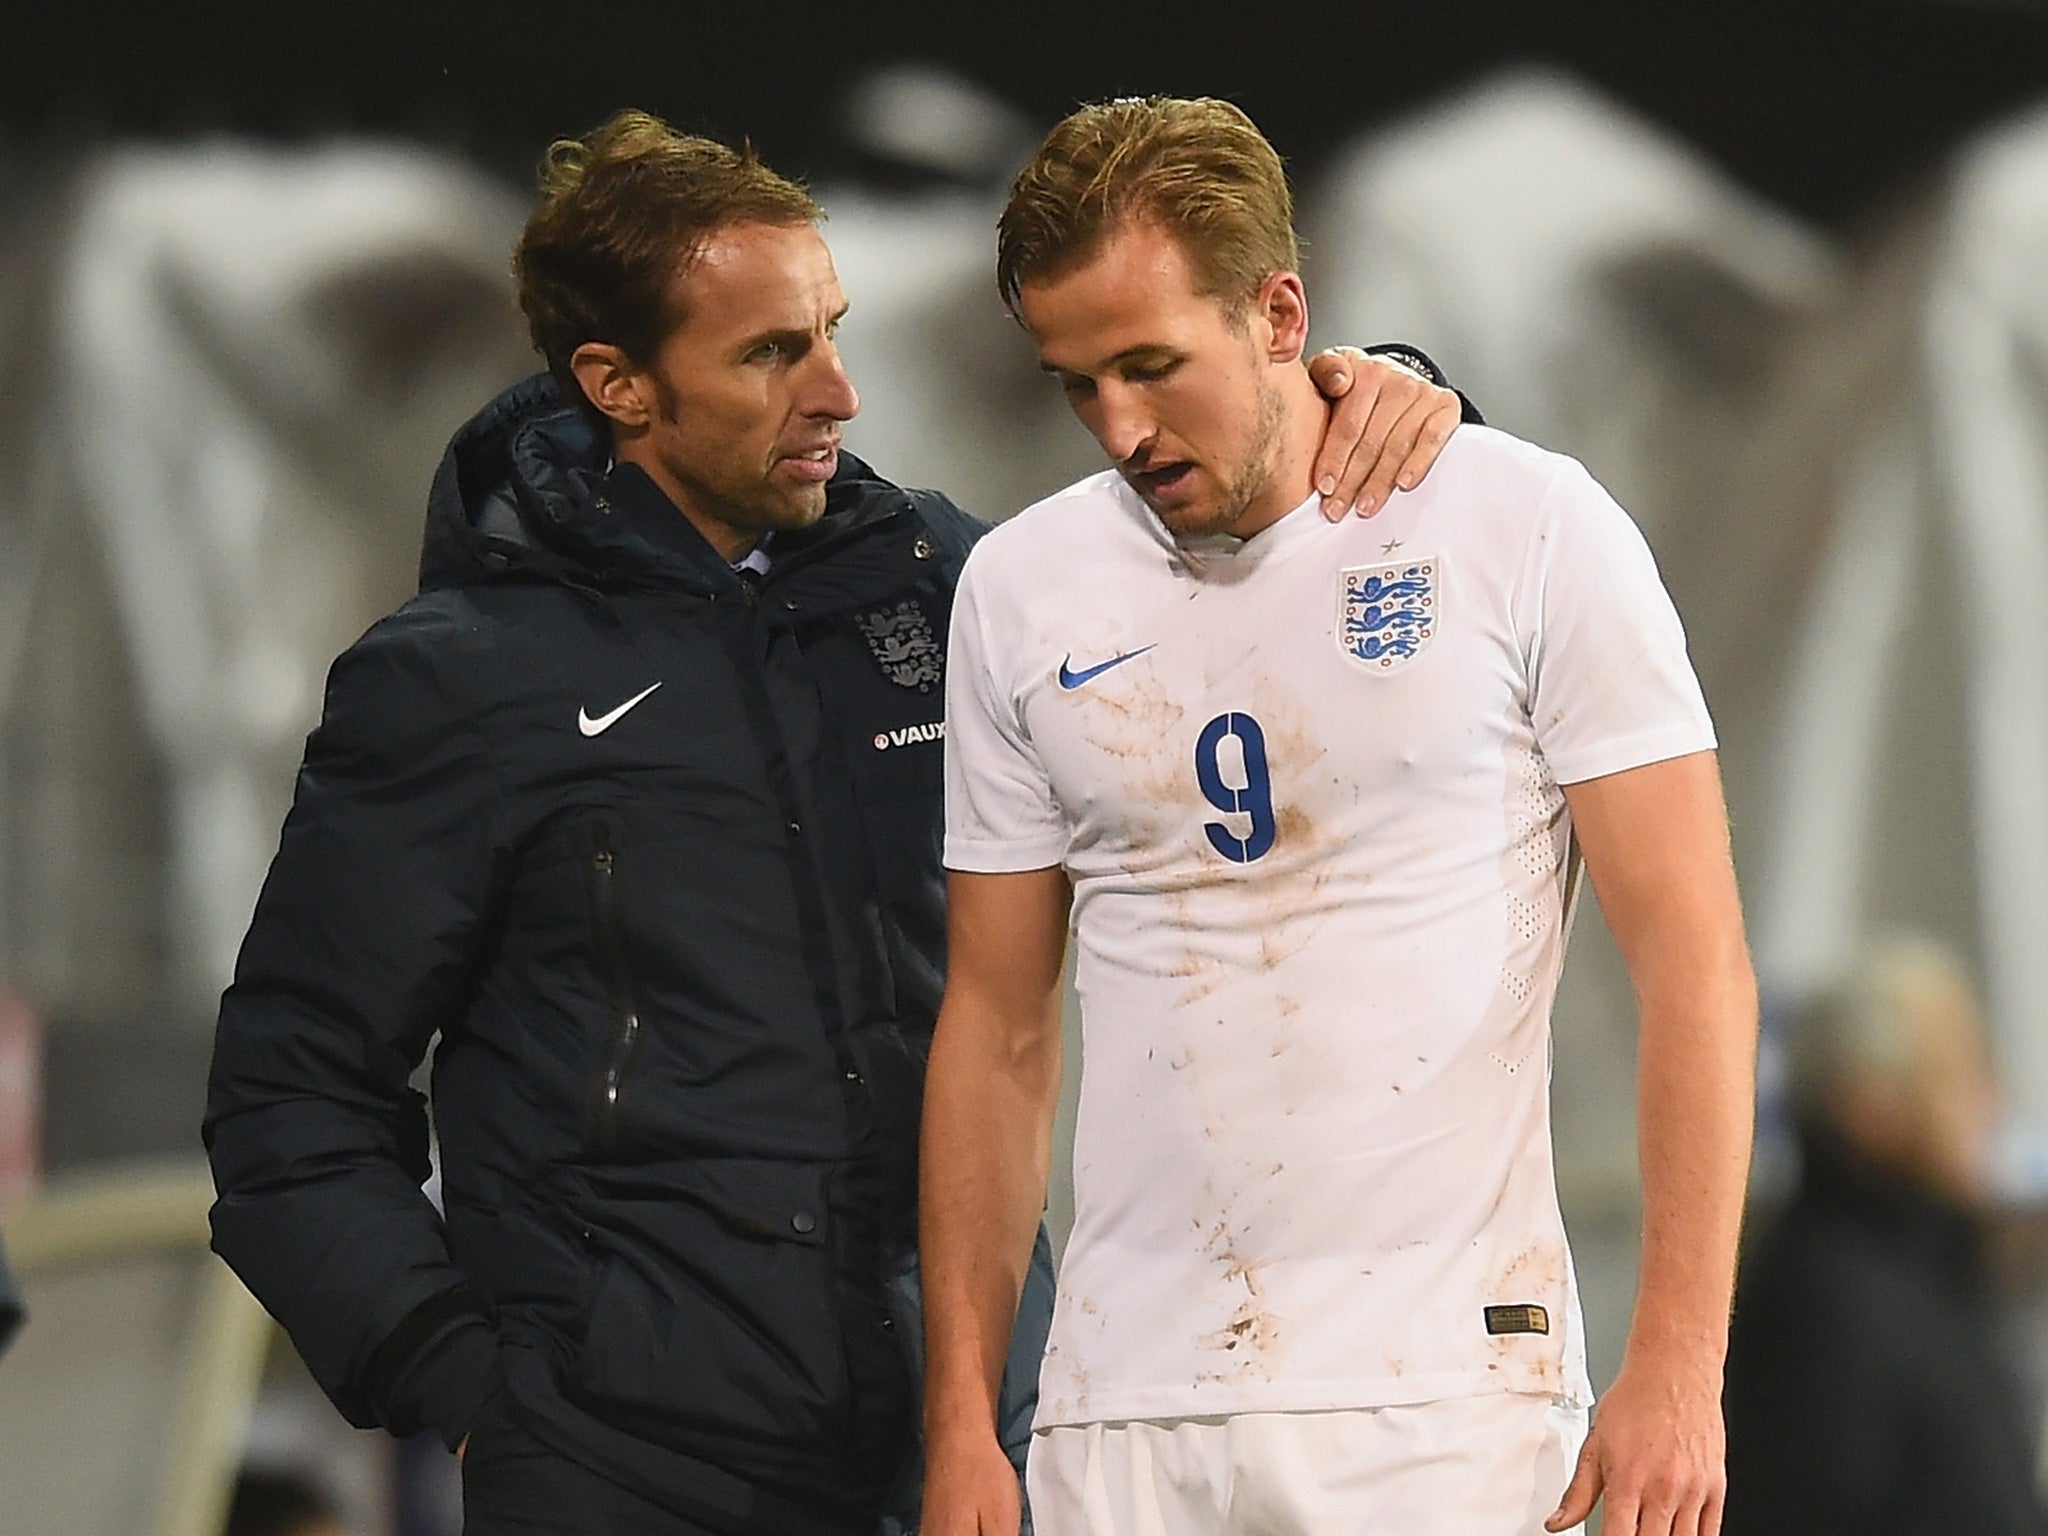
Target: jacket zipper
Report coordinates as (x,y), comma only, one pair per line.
(619,991)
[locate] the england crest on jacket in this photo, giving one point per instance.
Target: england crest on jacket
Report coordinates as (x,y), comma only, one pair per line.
(905,645)
(1386,614)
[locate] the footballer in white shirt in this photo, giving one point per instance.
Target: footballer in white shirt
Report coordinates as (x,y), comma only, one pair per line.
(1308,798)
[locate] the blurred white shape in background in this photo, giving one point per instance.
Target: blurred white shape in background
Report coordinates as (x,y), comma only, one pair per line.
(1986,338)
(1573,263)
(1912,753)
(926,119)
(257,355)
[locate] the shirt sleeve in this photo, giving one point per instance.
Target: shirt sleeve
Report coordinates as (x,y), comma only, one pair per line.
(1001,813)
(1610,684)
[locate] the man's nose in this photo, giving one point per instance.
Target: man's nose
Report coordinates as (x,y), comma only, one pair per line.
(831,393)
(1123,425)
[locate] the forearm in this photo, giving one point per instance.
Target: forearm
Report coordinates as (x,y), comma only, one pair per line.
(1696,1097)
(1656,846)
(987,1152)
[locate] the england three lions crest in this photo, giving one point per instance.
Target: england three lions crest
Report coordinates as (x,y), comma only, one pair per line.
(1387,613)
(905,645)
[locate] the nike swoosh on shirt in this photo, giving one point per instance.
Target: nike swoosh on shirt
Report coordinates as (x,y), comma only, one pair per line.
(1069,678)
(606,721)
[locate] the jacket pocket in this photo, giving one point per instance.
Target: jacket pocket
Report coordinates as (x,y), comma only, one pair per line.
(716,1318)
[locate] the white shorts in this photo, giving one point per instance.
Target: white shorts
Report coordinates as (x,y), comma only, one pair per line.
(1475,1466)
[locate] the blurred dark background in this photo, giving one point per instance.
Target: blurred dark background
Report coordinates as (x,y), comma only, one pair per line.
(1826,108)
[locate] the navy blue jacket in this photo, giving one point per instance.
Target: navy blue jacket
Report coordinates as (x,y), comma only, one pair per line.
(655,850)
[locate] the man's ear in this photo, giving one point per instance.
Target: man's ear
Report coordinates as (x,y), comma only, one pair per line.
(1282,305)
(623,392)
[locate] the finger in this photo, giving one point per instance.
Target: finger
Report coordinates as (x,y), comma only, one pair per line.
(1689,1516)
(1412,449)
(1333,369)
(1437,418)
(1622,1516)
(1389,441)
(1350,423)
(1580,1495)
(1710,1512)
(1658,1515)
(1349,415)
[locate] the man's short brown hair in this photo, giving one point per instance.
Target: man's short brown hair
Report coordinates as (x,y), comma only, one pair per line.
(624,211)
(1198,169)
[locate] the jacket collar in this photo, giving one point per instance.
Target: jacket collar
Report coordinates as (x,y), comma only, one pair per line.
(650,530)
(524,493)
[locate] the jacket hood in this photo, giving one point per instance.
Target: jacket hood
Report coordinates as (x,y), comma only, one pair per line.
(520,494)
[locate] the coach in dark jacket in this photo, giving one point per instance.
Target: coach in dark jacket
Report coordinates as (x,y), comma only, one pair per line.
(629,828)
(637,806)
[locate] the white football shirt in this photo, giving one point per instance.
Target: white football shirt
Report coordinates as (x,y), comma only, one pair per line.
(1306,788)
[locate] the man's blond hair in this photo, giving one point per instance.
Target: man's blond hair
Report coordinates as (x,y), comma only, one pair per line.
(1198,169)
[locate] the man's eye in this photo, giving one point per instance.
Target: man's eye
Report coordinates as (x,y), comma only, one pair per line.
(1075,384)
(1149,373)
(768,352)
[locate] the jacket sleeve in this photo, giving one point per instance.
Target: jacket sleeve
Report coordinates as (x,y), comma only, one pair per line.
(365,940)
(1415,360)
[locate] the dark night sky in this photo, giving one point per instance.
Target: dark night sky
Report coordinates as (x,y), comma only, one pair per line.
(1824,104)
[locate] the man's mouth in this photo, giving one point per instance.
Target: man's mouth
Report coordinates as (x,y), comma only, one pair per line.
(813,464)
(1164,480)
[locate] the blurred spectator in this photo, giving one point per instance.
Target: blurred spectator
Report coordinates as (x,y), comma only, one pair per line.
(1867,1386)
(281,1502)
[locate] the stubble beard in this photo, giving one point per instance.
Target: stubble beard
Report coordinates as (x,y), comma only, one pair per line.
(750,511)
(772,510)
(1251,475)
